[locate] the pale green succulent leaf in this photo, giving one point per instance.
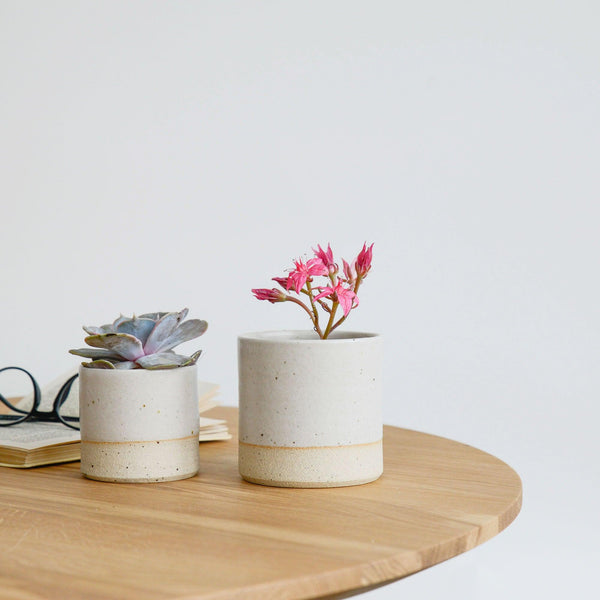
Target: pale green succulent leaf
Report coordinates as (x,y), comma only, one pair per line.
(117,322)
(122,344)
(92,330)
(155,316)
(188,330)
(163,330)
(193,358)
(137,327)
(99,364)
(163,360)
(95,353)
(125,365)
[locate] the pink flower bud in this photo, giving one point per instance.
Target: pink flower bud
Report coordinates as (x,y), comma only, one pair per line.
(349,272)
(273,295)
(363,260)
(282,281)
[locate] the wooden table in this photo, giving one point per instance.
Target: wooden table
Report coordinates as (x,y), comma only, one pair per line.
(217,537)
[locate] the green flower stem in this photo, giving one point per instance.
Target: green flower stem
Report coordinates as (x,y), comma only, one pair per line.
(330,327)
(356,286)
(338,323)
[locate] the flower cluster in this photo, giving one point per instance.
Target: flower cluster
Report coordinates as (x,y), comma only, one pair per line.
(339,291)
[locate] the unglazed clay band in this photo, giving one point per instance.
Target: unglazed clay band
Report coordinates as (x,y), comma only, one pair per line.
(159,460)
(312,447)
(321,466)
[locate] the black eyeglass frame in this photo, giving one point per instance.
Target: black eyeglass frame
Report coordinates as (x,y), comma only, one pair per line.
(39,415)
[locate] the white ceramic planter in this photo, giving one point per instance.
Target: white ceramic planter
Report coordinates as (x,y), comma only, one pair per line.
(139,425)
(310,409)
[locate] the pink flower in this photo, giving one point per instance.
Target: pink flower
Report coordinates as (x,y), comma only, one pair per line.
(349,272)
(345,296)
(363,260)
(326,258)
(272,296)
(298,277)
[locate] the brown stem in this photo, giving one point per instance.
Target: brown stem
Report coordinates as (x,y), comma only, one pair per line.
(314,308)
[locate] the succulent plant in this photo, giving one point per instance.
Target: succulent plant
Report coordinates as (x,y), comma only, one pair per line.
(144,342)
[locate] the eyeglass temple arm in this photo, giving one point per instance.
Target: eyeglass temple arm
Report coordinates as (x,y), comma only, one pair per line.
(64,392)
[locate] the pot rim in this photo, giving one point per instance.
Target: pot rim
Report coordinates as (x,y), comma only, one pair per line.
(303,336)
(131,372)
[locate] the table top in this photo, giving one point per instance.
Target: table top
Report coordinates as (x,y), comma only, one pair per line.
(217,537)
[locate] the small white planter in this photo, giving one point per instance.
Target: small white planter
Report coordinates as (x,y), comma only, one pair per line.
(310,409)
(139,425)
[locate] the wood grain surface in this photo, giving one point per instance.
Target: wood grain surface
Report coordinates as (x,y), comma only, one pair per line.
(215,536)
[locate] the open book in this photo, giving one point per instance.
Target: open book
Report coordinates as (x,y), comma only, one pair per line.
(36,443)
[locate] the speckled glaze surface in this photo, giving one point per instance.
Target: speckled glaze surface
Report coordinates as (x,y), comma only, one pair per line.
(139,425)
(310,409)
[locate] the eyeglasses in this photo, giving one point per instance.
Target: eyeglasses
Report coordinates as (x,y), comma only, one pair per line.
(30,412)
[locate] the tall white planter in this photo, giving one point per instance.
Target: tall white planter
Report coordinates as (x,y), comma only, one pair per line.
(139,425)
(310,409)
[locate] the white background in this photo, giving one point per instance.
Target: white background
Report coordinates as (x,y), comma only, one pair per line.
(155,155)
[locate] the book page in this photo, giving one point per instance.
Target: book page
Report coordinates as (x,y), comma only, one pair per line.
(206,422)
(207,393)
(37,434)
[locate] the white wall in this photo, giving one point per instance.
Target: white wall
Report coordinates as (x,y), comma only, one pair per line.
(155,155)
